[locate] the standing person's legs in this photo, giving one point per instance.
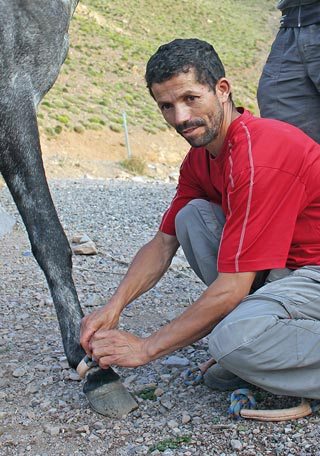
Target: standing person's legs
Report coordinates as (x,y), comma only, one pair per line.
(310,50)
(272,338)
(289,85)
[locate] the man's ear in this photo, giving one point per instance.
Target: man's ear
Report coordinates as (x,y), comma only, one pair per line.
(223,89)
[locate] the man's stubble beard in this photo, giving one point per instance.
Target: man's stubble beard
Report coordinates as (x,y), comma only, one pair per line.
(209,135)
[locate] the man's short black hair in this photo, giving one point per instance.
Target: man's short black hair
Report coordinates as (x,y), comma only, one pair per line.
(179,56)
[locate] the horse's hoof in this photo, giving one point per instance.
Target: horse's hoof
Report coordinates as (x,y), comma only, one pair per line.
(106,394)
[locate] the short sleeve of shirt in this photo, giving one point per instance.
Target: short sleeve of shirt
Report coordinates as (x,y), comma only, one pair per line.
(188,188)
(262,208)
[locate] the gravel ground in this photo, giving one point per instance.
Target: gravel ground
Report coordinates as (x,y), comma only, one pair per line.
(42,408)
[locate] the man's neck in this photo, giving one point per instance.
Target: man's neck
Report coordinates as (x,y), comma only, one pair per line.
(229,115)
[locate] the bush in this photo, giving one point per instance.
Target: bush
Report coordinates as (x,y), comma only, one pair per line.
(135,165)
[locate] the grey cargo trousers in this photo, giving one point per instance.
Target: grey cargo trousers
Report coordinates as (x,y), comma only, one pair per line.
(289,87)
(272,338)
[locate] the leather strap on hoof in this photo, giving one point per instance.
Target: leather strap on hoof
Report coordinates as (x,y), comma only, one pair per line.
(85,364)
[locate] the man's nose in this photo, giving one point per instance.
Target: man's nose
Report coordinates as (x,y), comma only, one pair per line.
(182,114)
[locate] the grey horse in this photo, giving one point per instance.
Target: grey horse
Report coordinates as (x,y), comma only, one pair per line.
(34,44)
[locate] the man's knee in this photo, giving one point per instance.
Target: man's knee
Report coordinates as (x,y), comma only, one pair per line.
(188,217)
(238,339)
(199,215)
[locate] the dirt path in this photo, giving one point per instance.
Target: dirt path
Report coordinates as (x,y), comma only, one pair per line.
(97,154)
(43,411)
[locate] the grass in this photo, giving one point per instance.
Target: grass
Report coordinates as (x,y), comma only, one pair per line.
(111,43)
(172,443)
(147,394)
(135,165)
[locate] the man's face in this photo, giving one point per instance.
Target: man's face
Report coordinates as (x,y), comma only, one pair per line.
(193,109)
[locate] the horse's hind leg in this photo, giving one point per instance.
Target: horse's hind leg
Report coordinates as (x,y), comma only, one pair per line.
(22,168)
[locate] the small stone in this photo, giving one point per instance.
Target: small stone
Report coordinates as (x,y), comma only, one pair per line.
(173,177)
(19,372)
(167,404)
(236,444)
(185,418)
(41,367)
(83,429)
(32,388)
(176,361)
(64,364)
(95,301)
(74,377)
(52,430)
(88,248)
(45,404)
(99,426)
(158,392)
(80,239)
(172,424)
(131,378)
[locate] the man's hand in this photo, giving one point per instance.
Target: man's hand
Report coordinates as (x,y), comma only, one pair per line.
(147,267)
(120,348)
(105,318)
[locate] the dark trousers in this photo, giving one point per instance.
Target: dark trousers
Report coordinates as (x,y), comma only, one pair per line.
(289,87)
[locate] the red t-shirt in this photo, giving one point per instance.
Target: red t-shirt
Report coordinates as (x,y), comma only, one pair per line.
(267,180)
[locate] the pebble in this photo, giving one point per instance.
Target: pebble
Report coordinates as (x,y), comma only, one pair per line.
(172,424)
(84,429)
(185,418)
(236,444)
(99,425)
(176,361)
(64,364)
(166,378)
(158,392)
(19,372)
(52,430)
(32,388)
(80,238)
(88,248)
(95,301)
(166,404)
(48,412)
(130,379)
(74,377)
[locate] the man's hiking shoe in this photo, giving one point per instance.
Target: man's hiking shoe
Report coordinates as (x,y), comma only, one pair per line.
(218,378)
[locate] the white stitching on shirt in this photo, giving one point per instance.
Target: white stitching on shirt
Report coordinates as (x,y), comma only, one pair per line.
(244,226)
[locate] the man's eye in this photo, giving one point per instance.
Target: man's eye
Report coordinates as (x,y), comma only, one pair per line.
(165,106)
(191,97)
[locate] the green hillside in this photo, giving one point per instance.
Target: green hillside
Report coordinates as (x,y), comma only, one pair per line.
(110,43)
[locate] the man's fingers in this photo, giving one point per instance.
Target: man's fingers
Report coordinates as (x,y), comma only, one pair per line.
(103,334)
(86,333)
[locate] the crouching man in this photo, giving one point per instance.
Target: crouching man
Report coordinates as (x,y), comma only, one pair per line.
(247,215)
